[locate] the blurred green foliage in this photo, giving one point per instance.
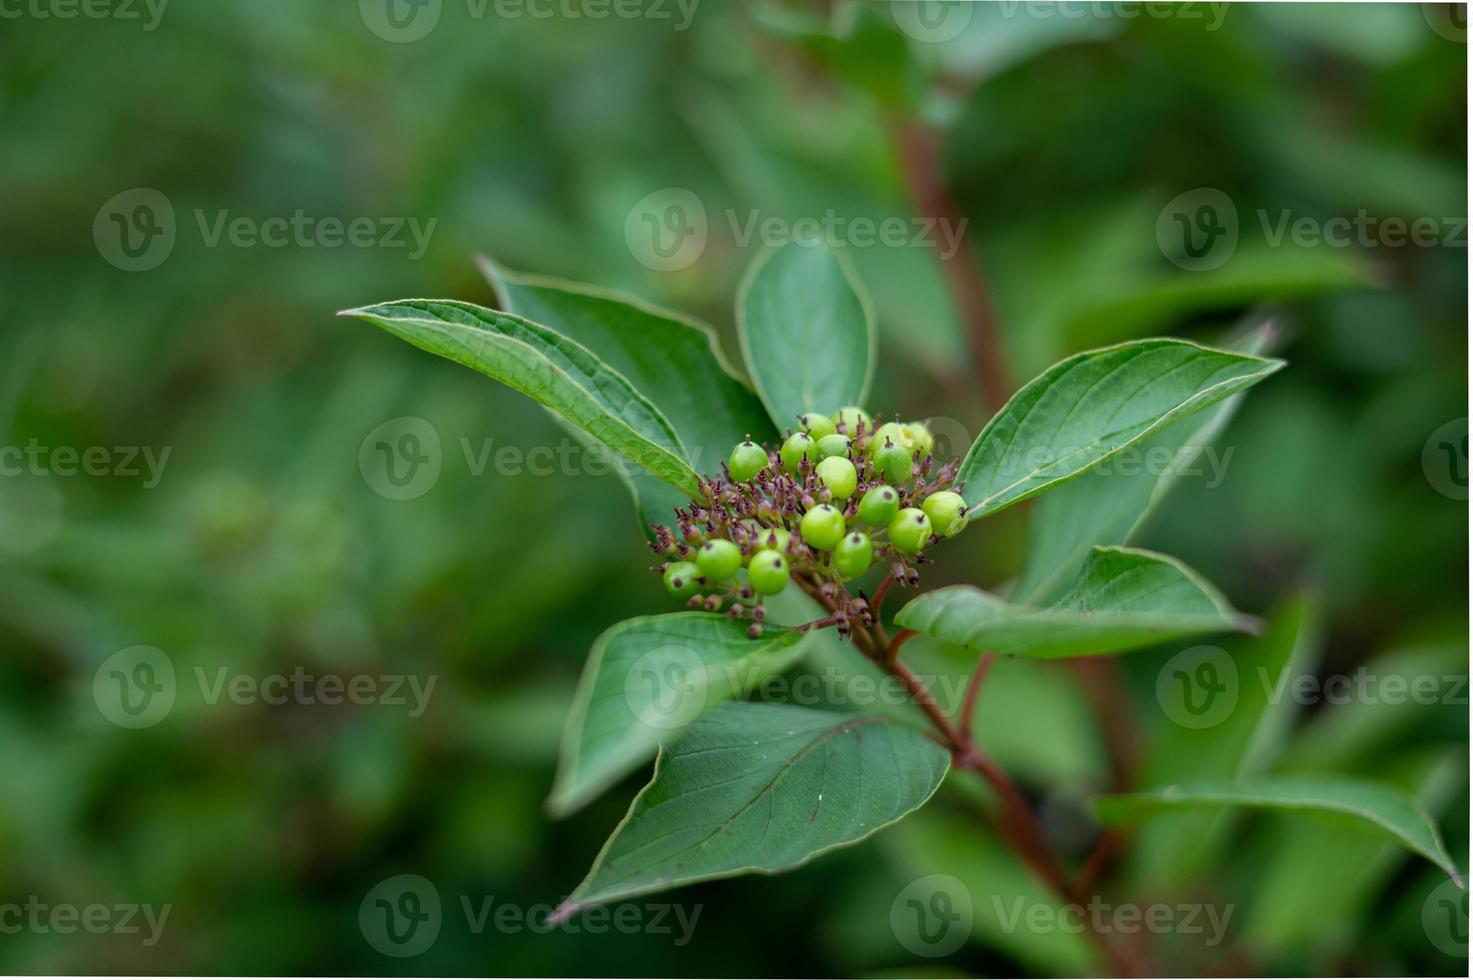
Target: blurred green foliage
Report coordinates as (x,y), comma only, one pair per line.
(263,548)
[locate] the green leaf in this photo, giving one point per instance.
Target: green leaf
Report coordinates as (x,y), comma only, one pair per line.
(807,332)
(673,360)
(1088,408)
(761,788)
(1364,802)
(1123,599)
(1109,506)
(1318,887)
(561,374)
(648,677)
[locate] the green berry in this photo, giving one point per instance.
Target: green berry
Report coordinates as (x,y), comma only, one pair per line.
(920,438)
(890,432)
(893,462)
(839,475)
(747,460)
(817,425)
(773,539)
(719,560)
(799,447)
(850,416)
(910,531)
(853,555)
(879,506)
(947,511)
(680,579)
(768,572)
(823,527)
(833,445)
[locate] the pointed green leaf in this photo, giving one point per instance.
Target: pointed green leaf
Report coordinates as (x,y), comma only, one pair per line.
(561,374)
(1089,407)
(648,677)
(1319,887)
(1372,804)
(1109,505)
(1123,599)
(761,788)
(807,332)
(673,360)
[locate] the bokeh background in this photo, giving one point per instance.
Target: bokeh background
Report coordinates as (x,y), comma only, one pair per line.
(536,134)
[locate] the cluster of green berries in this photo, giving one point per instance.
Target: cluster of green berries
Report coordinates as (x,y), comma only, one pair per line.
(839,496)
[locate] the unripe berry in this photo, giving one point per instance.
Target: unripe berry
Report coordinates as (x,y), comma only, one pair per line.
(910,531)
(849,417)
(893,462)
(817,425)
(839,475)
(853,555)
(680,579)
(769,573)
(834,445)
(799,447)
(719,560)
(920,438)
(823,527)
(890,432)
(773,539)
(747,460)
(948,513)
(879,506)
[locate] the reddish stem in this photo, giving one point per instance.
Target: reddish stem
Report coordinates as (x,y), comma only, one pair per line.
(915,145)
(892,649)
(974,689)
(878,603)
